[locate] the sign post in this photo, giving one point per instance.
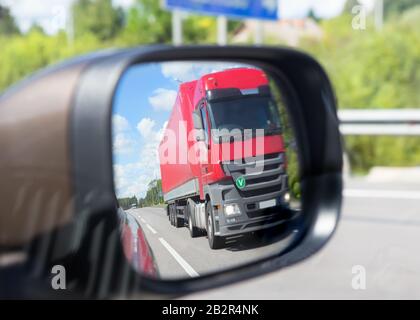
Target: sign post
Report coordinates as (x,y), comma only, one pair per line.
(221,30)
(176,27)
(239,9)
(259,32)
(379,14)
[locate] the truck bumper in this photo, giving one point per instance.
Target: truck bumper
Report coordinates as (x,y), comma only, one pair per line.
(252,225)
(253,214)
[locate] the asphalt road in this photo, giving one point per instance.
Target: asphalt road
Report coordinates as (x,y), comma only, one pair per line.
(178,255)
(379,231)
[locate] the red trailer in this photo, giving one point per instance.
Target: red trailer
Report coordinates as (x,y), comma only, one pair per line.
(222,156)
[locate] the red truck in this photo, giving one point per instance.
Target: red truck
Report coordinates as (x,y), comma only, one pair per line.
(208,185)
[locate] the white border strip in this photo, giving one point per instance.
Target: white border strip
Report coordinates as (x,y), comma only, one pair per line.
(380,129)
(381,194)
(150,228)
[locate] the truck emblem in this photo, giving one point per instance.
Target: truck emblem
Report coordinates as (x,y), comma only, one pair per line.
(240,182)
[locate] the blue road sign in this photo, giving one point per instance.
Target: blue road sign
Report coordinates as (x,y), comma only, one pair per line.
(257,9)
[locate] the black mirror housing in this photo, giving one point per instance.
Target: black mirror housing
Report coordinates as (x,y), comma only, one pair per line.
(95,219)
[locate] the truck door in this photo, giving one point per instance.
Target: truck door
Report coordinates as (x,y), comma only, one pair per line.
(205,167)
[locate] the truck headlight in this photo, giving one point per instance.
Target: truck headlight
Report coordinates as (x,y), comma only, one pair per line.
(231,209)
(286,197)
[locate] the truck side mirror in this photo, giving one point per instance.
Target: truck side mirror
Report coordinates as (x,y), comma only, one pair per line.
(197,121)
(198,126)
(199,135)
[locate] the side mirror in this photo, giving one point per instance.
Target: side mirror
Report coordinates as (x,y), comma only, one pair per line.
(198,126)
(62,167)
(197,121)
(199,135)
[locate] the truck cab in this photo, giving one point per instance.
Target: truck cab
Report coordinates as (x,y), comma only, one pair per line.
(238,182)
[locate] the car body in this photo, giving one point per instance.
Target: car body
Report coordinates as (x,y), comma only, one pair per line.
(135,246)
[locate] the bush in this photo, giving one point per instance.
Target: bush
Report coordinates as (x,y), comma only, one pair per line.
(372,69)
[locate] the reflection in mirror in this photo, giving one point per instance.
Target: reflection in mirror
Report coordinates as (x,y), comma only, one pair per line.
(205,167)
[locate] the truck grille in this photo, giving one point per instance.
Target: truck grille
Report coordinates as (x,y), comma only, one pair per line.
(268,179)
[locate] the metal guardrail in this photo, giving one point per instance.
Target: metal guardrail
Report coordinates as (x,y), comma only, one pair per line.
(401,122)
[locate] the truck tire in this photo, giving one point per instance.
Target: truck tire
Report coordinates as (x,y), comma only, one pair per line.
(170,215)
(215,242)
(178,222)
(194,231)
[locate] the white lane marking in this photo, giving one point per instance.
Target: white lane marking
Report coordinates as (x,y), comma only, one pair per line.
(382,194)
(150,228)
(142,220)
(184,264)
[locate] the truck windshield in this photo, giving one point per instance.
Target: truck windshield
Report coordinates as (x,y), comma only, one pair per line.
(248,112)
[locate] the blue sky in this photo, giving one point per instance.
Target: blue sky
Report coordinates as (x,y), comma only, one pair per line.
(134,101)
(142,105)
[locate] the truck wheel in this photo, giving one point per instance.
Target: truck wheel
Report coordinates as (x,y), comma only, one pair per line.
(178,222)
(171,215)
(215,242)
(194,232)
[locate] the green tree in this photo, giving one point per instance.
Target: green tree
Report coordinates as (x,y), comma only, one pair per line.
(154,194)
(199,29)
(127,203)
(22,55)
(36,28)
(8,25)
(313,16)
(289,137)
(350,4)
(98,17)
(395,8)
(147,22)
(374,70)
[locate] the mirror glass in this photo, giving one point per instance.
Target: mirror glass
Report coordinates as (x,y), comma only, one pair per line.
(205,167)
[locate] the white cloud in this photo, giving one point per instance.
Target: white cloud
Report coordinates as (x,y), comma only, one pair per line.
(119,124)
(328,8)
(123,144)
(369,4)
(124,3)
(123,141)
(130,180)
(187,71)
(182,71)
(145,127)
(163,99)
(133,178)
(52,15)
(149,151)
